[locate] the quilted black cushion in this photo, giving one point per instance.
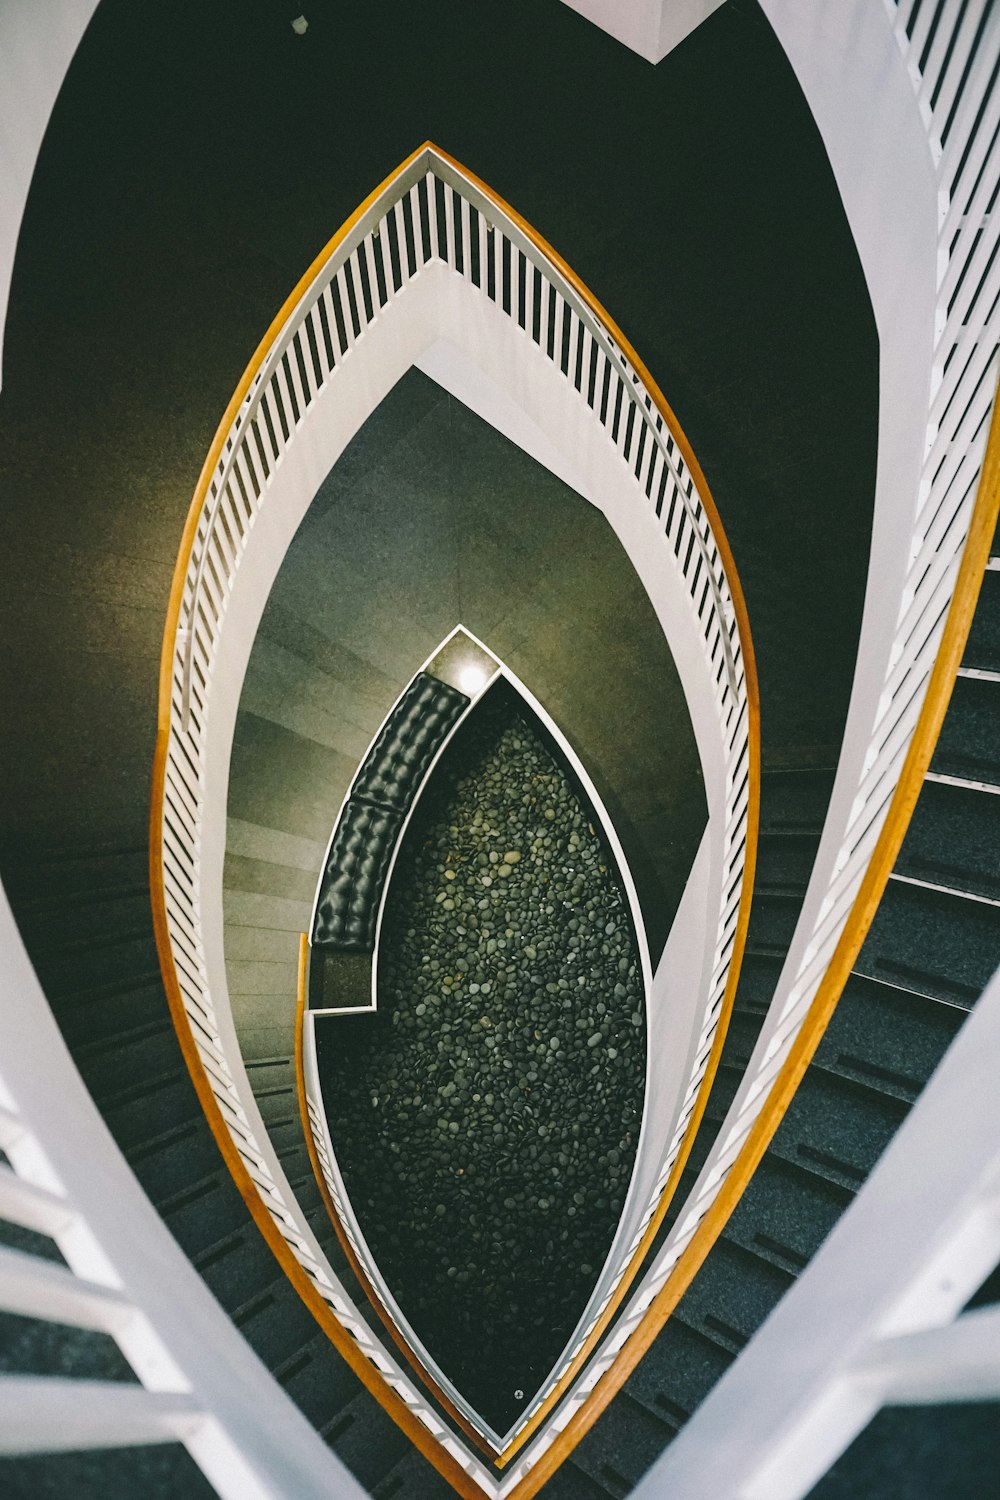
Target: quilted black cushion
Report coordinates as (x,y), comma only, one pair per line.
(355,875)
(396,763)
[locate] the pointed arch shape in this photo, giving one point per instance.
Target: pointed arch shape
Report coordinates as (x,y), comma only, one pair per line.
(435,269)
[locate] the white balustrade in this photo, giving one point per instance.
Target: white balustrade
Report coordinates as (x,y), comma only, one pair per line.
(197,1382)
(432,215)
(431,218)
(876,1319)
(931,253)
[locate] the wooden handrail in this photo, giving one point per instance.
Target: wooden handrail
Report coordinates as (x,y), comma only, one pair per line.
(370,1376)
(222,431)
(918,758)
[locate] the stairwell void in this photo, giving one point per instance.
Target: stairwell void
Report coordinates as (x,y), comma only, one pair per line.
(466,523)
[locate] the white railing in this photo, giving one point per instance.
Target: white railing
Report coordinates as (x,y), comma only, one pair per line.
(197,1382)
(431,214)
(876,1319)
(951,54)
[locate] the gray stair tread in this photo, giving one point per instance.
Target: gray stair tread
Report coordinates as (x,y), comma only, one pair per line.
(414,1478)
(888,1035)
(837,1127)
(983,646)
(954,838)
(624,1441)
(785,1214)
(570,1482)
(969,743)
(936,943)
(678,1370)
(921,1453)
(319,1382)
(161,1472)
(366,1440)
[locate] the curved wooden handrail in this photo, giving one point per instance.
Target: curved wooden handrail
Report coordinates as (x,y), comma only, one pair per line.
(249,1192)
(918,758)
(370,1376)
(225,425)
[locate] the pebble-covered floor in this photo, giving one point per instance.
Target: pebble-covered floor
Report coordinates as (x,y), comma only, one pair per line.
(486,1120)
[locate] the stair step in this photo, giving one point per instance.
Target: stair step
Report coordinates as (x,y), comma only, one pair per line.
(837,1128)
(319,1382)
(413,1478)
(270,1074)
(678,1371)
(794,801)
(239,1269)
(111,958)
(969,744)
(773,917)
(943,944)
(785,861)
(158,1111)
(286,1134)
(953,839)
(732,1295)
(52,875)
(168,1168)
(622,1444)
(105,1013)
(570,1482)
(758,977)
(277,1104)
(785,1214)
(208,1214)
(276,1323)
(116,1072)
(366,1440)
(888,1032)
(66,921)
(982,649)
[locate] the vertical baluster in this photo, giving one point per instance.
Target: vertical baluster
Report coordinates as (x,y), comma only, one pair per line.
(449,226)
(529,298)
(944,38)
(418,236)
(316,324)
(247,474)
(960,135)
(298,358)
(368,249)
(266,409)
(333,354)
(353,269)
(515,282)
(404,254)
(957,63)
(466,220)
(482,239)
(919,34)
(284,408)
(345,308)
(432,218)
(545,294)
(248,456)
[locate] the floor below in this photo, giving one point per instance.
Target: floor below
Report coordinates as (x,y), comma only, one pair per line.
(486,1119)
